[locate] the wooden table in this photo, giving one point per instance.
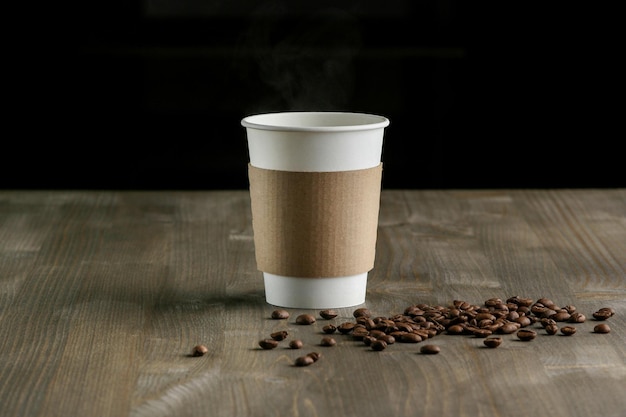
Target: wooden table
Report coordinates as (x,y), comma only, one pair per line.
(104,294)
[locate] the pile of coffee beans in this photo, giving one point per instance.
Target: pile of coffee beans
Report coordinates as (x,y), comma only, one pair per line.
(419,322)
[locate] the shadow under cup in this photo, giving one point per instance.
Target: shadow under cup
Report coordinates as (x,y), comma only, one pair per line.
(315,180)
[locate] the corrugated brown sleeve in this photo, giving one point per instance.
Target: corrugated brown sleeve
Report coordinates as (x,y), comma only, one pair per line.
(315,224)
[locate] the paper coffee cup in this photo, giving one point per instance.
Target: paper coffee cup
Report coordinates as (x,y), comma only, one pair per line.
(315,182)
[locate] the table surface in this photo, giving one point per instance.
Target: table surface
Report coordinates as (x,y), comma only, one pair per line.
(103,294)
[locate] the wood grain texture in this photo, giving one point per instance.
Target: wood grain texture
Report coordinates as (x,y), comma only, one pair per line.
(103,295)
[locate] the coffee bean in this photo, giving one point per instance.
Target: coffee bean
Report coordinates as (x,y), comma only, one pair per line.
(410,338)
(362,312)
(304,361)
(314,355)
(268,343)
(280,314)
(199,350)
(359,333)
(296,344)
(430,349)
(379,345)
(603,313)
(345,328)
(526,334)
(328,314)
(387,338)
(561,316)
(552,329)
(509,328)
(577,318)
(278,336)
(568,330)
(329,329)
(602,328)
(492,342)
(328,341)
(305,319)
(367,340)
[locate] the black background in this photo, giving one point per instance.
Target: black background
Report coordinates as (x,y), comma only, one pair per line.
(149,94)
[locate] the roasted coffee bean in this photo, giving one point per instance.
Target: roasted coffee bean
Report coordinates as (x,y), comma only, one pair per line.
(378,345)
(362,312)
(492,342)
(199,350)
(603,313)
(482,333)
(430,349)
(296,344)
(456,329)
(389,339)
(410,338)
(552,329)
(328,341)
(561,316)
(568,330)
(570,309)
(328,314)
(577,318)
(546,322)
(304,361)
(329,329)
(602,328)
(314,355)
(526,334)
(367,340)
(345,328)
(268,343)
(280,314)
(508,328)
(278,336)
(359,333)
(305,319)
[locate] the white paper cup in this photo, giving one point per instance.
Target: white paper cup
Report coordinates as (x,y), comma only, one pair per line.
(315,142)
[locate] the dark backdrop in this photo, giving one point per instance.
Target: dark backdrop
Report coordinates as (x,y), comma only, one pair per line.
(149,94)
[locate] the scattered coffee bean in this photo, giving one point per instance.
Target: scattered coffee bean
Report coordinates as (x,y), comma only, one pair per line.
(368,340)
(329,329)
(199,350)
(304,361)
(345,328)
(577,318)
(561,316)
(526,334)
(362,312)
(314,355)
(278,336)
(378,345)
(604,313)
(602,328)
(296,344)
(328,341)
(430,349)
(508,328)
(410,338)
(552,329)
(328,314)
(280,314)
(492,342)
(268,343)
(568,330)
(305,319)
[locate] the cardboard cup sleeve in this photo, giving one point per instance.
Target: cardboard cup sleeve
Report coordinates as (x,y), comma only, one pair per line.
(315,224)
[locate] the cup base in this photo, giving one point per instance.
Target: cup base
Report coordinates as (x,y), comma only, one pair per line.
(335,292)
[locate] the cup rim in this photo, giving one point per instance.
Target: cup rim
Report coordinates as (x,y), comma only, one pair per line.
(303,121)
